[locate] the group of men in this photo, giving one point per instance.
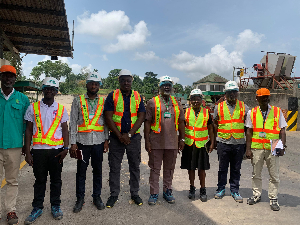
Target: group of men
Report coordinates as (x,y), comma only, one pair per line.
(122,113)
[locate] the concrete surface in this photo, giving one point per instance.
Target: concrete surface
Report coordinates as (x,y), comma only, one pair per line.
(184,211)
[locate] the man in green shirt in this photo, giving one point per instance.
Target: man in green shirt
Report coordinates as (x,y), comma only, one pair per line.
(13,105)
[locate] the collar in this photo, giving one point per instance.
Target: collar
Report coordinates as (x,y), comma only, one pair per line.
(7,96)
(269,107)
(124,93)
(87,97)
(42,104)
(229,104)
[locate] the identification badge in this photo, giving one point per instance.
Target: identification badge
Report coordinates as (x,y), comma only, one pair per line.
(262,134)
(167,115)
(91,116)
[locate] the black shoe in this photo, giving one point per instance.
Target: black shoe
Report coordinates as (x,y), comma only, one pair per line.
(137,200)
(192,192)
(274,204)
(78,205)
(203,196)
(253,200)
(98,203)
(111,201)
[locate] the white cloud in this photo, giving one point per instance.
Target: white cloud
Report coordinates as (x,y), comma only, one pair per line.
(104,24)
(104,58)
(146,56)
(130,41)
(219,60)
(174,79)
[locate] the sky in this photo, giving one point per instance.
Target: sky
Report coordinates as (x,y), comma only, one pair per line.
(186,40)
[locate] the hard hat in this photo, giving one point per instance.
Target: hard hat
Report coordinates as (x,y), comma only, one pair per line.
(196,92)
(8,69)
(50,82)
(93,76)
(125,72)
(262,92)
(165,79)
(231,86)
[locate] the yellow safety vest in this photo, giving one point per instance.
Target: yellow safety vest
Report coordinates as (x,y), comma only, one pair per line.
(90,125)
(135,101)
(231,125)
(196,128)
(271,127)
(40,138)
(156,126)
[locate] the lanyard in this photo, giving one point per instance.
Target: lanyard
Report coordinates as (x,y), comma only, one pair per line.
(92,103)
(167,106)
(264,114)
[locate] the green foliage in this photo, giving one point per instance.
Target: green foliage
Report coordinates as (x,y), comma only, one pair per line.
(150,83)
(15,63)
(178,88)
(137,84)
(187,89)
(112,81)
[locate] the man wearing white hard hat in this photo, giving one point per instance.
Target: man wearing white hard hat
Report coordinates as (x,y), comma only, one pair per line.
(124,114)
(164,117)
(229,122)
(199,141)
(47,128)
(89,134)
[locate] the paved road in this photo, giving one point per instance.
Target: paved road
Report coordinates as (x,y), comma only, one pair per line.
(225,211)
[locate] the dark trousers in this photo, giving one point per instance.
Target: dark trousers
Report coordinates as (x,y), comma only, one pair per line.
(233,154)
(95,152)
(44,161)
(115,157)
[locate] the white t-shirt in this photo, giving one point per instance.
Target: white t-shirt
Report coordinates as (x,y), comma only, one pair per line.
(48,114)
(7,96)
(282,122)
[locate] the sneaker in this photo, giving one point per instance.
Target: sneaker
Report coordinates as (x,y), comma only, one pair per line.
(253,200)
(12,218)
(168,196)
(153,199)
(220,194)
(35,213)
(192,192)
(237,197)
(56,212)
(137,200)
(78,205)
(111,201)
(98,203)
(203,196)
(274,204)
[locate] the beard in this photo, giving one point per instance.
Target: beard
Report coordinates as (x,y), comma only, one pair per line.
(93,92)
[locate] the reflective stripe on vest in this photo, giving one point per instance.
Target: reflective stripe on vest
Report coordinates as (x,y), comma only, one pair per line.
(231,125)
(196,129)
(156,126)
(90,125)
(135,101)
(271,127)
(39,138)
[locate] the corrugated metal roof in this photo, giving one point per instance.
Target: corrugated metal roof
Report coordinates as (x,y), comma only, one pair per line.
(212,78)
(36,26)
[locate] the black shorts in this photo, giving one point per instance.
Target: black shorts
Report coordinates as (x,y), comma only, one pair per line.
(195,158)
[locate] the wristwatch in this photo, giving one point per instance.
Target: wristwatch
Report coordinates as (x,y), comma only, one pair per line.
(129,135)
(66,148)
(182,140)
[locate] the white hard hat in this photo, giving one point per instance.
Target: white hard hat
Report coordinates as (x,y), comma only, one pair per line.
(165,79)
(125,72)
(93,76)
(231,86)
(196,92)
(51,82)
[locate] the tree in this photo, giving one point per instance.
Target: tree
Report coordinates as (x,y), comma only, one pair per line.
(187,89)
(111,81)
(15,63)
(178,88)
(137,83)
(150,83)
(55,69)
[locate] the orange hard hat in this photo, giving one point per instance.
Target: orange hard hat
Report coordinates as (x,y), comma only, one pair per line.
(262,92)
(8,69)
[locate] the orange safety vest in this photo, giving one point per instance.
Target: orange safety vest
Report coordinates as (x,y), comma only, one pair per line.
(91,125)
(271,127)
(156,126)
(135,101)
(40,138)
(196,128)
(231,125)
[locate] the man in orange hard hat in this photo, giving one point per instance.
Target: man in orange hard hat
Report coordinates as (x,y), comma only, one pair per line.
(265,123)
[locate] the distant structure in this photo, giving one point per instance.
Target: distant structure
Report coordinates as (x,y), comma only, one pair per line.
(212,85)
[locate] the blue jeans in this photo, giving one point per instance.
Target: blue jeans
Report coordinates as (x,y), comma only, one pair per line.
(95,152)
(233,154)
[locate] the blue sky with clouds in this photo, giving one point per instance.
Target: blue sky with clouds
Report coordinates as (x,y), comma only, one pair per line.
(186,40)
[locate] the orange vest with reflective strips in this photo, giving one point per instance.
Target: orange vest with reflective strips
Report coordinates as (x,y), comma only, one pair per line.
(90,125)
(231,125)
(270,127)
(196,128)
(135,100)
(156,126)
(40,138)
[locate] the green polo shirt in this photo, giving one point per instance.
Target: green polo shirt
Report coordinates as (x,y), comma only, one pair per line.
(12,123)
